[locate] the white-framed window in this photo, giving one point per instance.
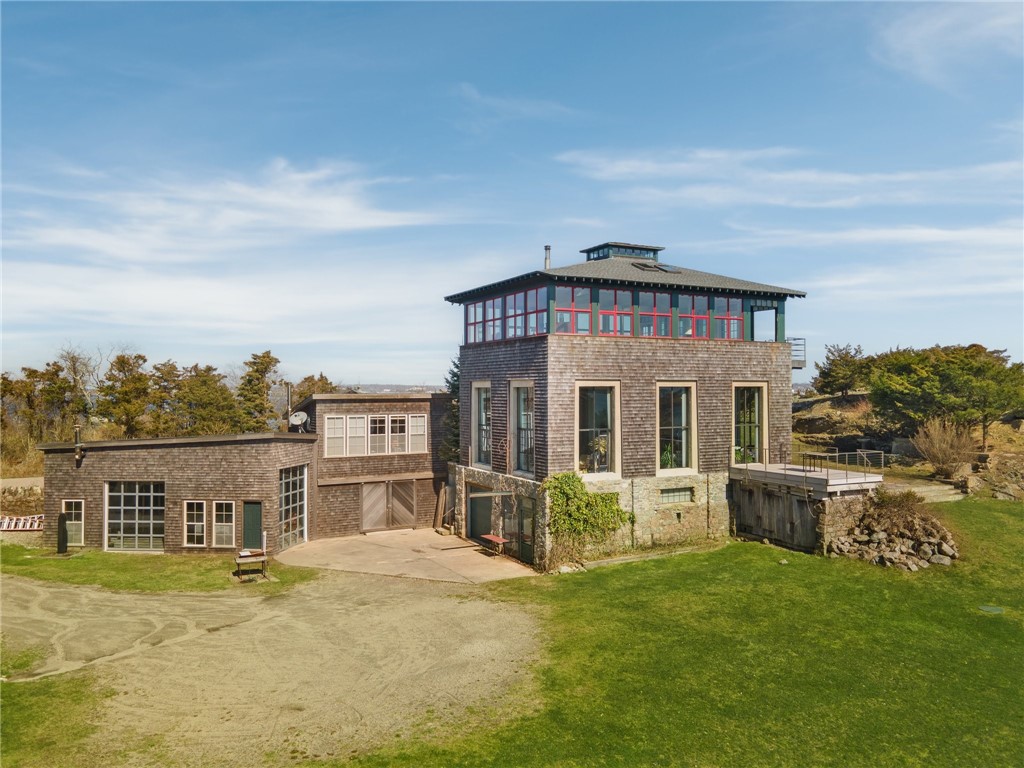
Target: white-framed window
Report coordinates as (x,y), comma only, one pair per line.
(750,422)
(417,433)
(195,523)
(356,435)
(74,516)
(378,434)
(676,438)
(224,524)
(135,515)
(521,418)
(334,436)
(480,437)
(398,428)
(292,506)
(597,434)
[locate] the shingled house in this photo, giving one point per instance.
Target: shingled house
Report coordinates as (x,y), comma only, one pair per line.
(651,380)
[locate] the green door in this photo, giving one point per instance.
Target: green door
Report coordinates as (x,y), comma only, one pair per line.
(252,525)
(479,516)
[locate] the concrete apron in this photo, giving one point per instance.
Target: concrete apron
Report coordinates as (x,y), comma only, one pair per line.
(419,554)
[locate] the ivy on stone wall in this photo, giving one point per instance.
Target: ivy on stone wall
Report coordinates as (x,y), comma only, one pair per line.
(578,518)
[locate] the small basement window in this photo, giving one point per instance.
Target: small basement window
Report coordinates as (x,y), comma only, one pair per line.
(676,495)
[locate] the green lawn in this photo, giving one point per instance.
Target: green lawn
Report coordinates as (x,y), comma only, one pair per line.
(729,658)
(144,572)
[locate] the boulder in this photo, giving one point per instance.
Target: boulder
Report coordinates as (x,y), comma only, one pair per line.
(939,560)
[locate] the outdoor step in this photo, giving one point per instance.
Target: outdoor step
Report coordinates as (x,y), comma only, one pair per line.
(931,492)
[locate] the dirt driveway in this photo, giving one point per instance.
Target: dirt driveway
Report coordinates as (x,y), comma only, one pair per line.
(331,667)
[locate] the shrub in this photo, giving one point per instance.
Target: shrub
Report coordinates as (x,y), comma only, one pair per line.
(578,518)
(946,446)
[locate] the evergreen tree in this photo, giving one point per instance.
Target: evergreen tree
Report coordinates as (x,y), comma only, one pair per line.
(449,449)
(125,393)
(253,394)
(310,385)
(164,418)
(845,368)
(205,404)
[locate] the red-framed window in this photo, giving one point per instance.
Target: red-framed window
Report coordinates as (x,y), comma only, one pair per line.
(492,320)
(474,322)
(515,315)
(655,311)
(693,316)
(572,310)
(536,311)
(728,318)
(615,312)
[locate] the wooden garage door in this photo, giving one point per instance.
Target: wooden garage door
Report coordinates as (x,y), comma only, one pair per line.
(389,505)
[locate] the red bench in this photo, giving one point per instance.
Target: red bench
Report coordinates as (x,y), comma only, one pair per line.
(497,541)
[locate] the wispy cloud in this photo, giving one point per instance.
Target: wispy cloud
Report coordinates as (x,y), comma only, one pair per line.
(945,44)
(766,177)
(485,110)
(109,219)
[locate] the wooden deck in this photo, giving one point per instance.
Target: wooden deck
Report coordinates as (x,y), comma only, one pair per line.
(820,483)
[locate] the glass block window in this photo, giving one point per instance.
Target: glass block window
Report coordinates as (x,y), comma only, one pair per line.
(135,515)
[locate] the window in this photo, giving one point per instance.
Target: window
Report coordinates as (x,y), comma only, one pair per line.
(223,523)
(356,435)
(515,315)
(378,434)
(675,434)
(292,506)
(492,320)
(748,420)
(74,516)
(195,523)
(596,438)
(537,311)
(572,310)
(615,311)
(417,434)
(481,437)
(474,322)
(522,427)
(334,436)
(135,515)
(676,496)
(693,316)
(655,314)
(728,318)
(399,442)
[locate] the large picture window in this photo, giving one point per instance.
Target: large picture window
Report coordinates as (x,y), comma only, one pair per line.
(292,506)
(522,427)
(748,420)
(223,523)
(675,409)
(572,310)
(74,516)
(615,312)
(597,429)
(481,438)
(135,515)
(655,310)
(195,523)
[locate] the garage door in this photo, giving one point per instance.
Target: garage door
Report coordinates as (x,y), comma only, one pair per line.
(389,505)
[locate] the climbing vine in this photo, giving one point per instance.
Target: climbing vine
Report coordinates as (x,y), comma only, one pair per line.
(577,517)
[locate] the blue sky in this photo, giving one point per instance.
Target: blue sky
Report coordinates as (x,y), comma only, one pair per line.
(202,181)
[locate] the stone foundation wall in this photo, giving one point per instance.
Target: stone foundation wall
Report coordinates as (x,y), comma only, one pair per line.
(835,518)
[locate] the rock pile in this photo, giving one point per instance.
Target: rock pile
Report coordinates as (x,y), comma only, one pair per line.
(909,542)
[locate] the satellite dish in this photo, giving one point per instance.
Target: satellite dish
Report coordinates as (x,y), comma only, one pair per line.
(298,419)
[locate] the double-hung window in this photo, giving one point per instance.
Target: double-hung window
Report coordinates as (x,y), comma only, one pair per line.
(676,415)
(615,310)
(195,523)
(597,434)
(356,435)
(223,523)
(399,442)
(74,516)
(334,436)
(417,433)
(378,434)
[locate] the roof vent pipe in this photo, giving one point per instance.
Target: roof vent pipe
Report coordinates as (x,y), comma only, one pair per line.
(547,257)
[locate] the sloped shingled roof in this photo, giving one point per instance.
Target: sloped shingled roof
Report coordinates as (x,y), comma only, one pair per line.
(637,272)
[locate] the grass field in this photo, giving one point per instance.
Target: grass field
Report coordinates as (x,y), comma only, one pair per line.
(730,658)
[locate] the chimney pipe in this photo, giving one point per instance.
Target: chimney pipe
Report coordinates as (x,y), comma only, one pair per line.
(547,257)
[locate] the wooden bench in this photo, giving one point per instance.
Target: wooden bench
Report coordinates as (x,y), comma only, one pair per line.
(253,558)
(497,541)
